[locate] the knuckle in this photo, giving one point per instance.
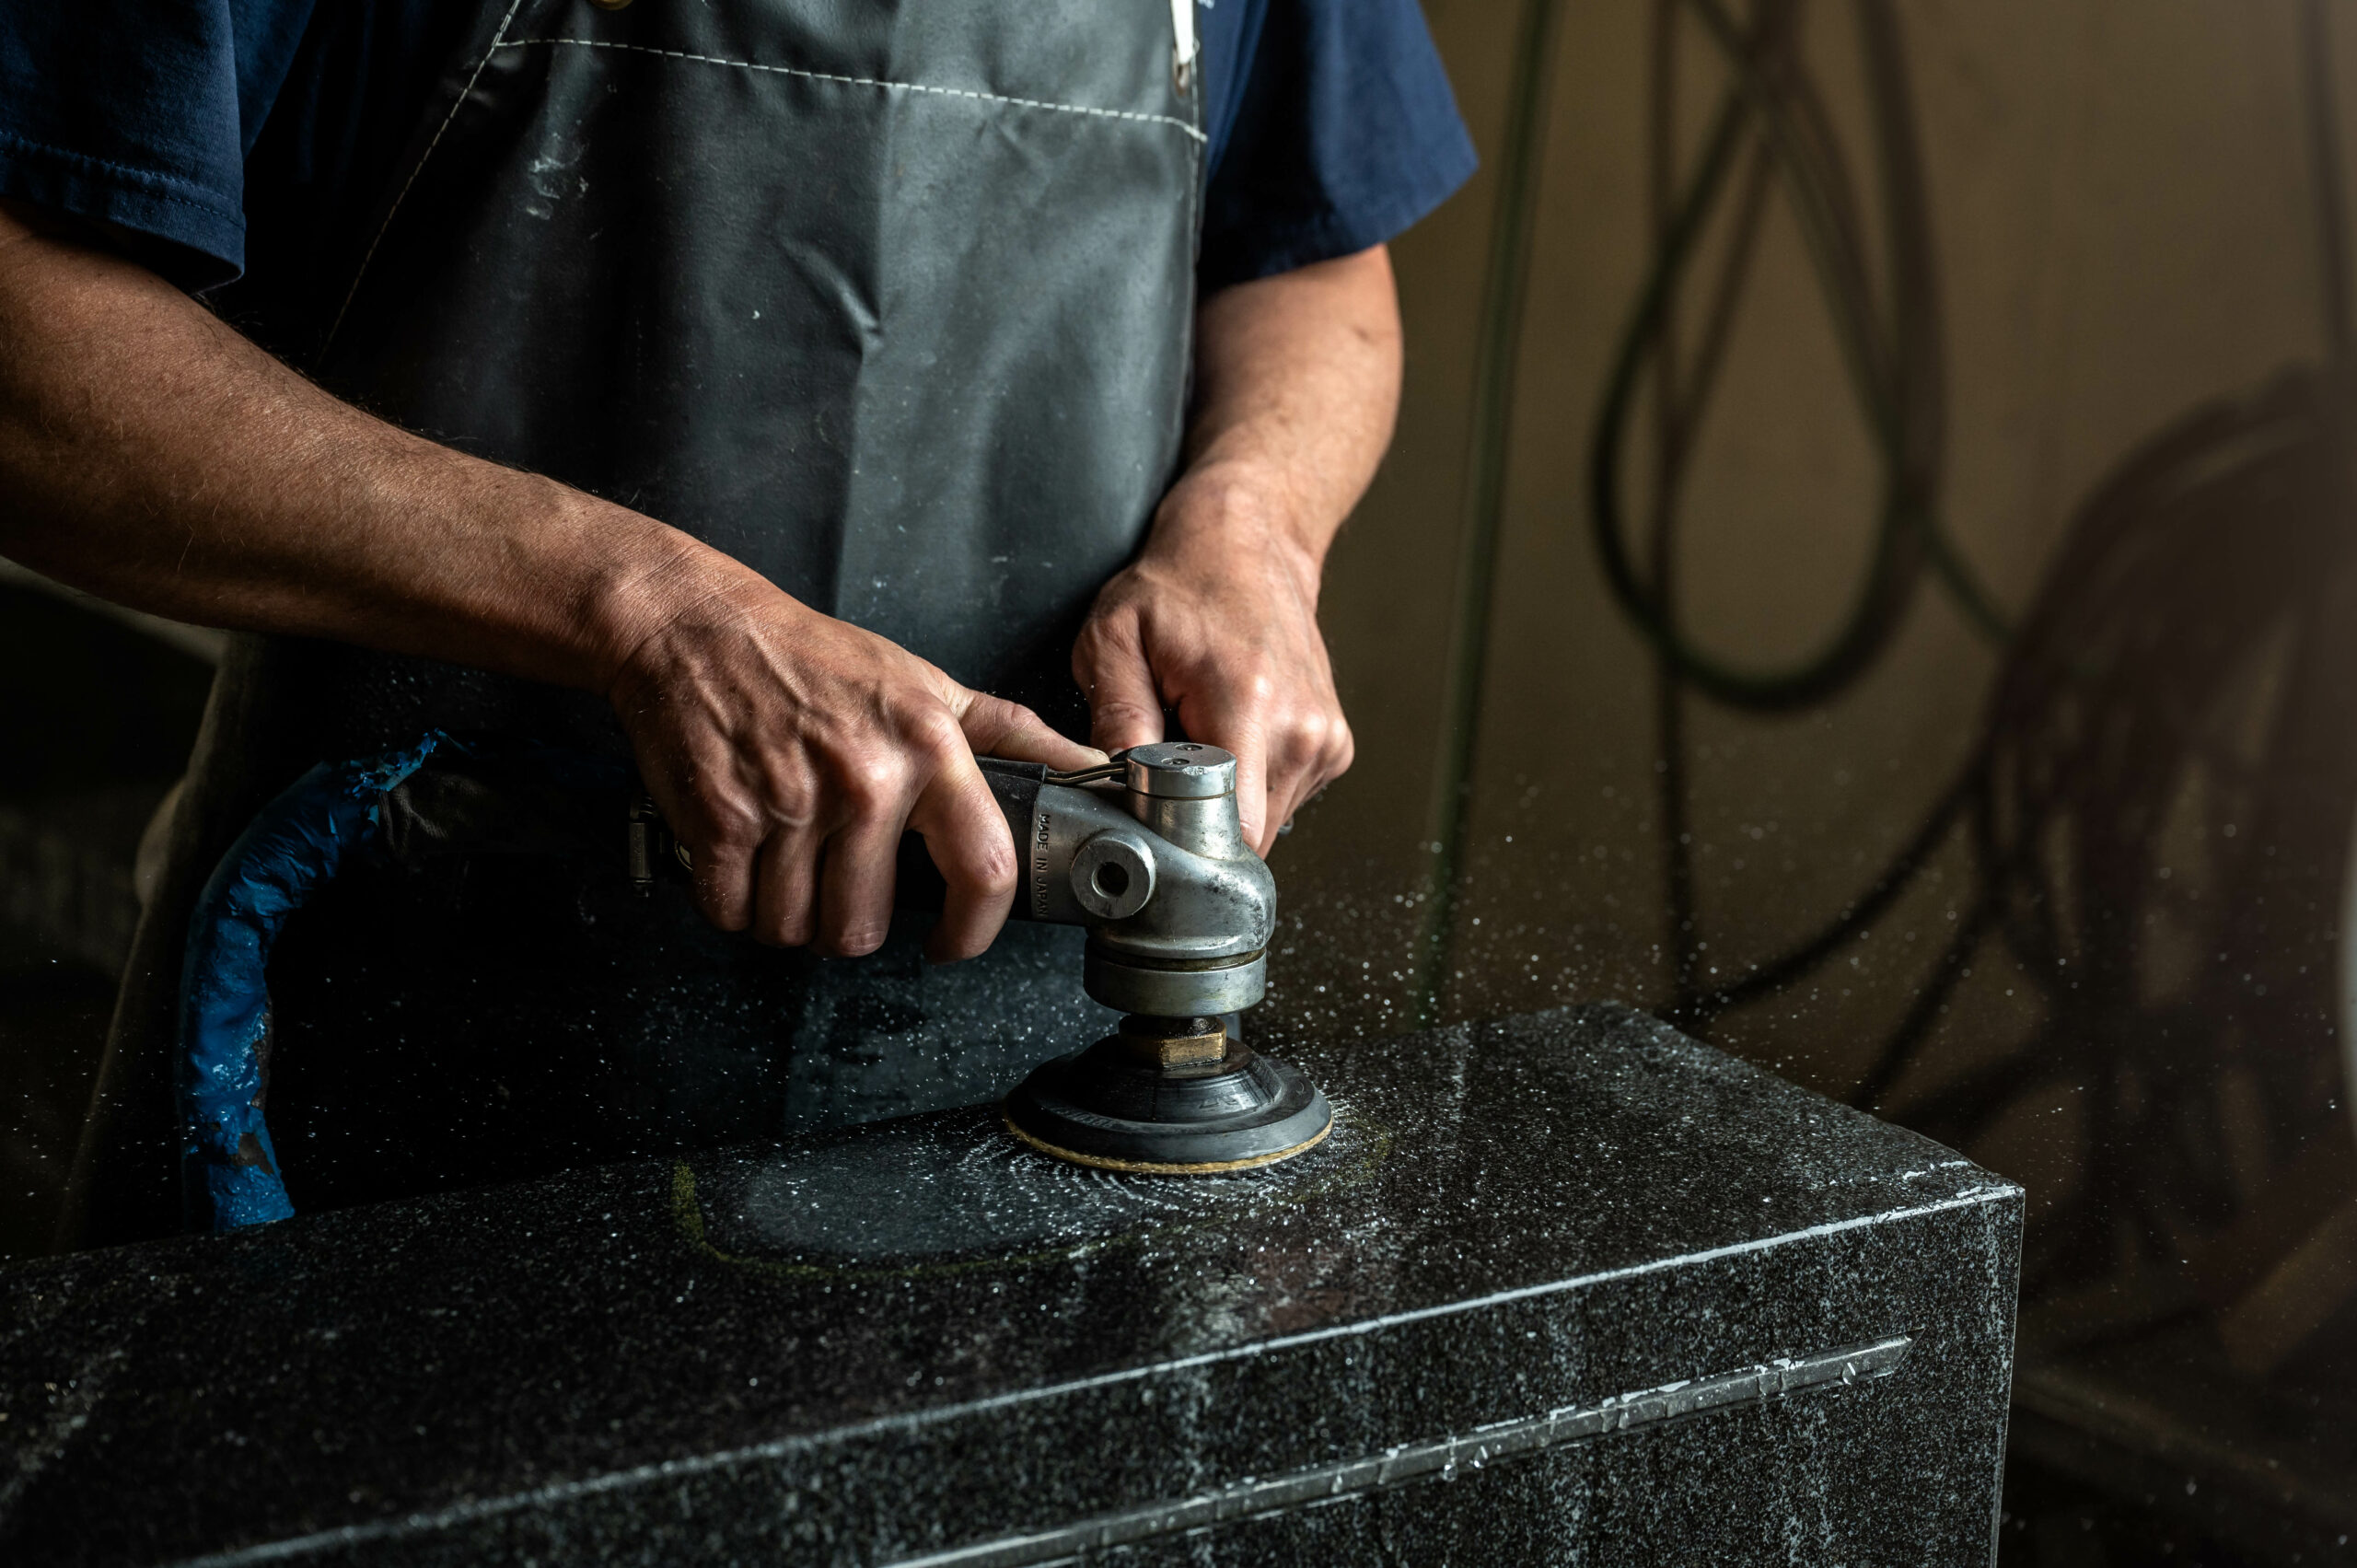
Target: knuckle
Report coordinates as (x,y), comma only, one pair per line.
(872,783)
(1300,738)
(1344,752)
(937,737)
(723,822)
(790,796)
(1318,734)
(1126,716)
(995,871)
(799,809)
(1111,633)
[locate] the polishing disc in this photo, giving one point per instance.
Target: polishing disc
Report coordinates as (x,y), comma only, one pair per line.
(1100,1106)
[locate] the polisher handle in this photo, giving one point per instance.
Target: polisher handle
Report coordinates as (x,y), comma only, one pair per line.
(917,882)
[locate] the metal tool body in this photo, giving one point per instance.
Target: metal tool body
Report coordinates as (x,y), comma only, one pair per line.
(1149,855)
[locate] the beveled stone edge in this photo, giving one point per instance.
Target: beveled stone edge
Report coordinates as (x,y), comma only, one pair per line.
(1403,1462)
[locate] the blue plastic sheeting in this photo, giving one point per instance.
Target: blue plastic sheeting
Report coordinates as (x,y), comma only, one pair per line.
(229,1169)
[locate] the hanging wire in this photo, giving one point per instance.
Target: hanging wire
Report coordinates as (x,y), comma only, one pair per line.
(1505,288)
(1893,361)
(2324,172)
(1681,390)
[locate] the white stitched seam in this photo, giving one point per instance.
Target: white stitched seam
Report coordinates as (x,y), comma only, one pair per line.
(459,104)
(864,81)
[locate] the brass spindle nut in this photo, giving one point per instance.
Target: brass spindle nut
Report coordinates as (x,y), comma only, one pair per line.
(1177,1045)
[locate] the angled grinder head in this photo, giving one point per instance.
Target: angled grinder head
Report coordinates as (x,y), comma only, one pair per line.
(1180,913)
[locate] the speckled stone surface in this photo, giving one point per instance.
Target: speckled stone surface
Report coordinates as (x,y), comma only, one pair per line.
(1566,1288)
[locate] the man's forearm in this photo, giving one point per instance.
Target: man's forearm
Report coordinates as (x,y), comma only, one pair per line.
(1297,383)
(150,453)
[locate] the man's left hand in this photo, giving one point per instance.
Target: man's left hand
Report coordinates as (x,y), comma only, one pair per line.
(1218,621)
(1296,382)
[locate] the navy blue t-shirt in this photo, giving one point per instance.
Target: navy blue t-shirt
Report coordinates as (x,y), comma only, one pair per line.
(232,139)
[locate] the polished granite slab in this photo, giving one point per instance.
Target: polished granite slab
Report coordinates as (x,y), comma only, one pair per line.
(1562,1288)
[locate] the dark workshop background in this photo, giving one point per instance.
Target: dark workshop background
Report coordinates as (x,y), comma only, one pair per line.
(1963,720)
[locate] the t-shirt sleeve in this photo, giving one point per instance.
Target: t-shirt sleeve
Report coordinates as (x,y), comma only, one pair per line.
(1344,134)
(137,114)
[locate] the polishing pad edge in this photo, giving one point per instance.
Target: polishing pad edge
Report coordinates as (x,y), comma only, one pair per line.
(1163,1167)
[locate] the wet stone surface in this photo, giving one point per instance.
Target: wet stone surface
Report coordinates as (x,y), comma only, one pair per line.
(1565,1288)
(953,1189)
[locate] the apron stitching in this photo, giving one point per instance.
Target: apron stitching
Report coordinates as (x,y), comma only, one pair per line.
(456,104)
(862,81)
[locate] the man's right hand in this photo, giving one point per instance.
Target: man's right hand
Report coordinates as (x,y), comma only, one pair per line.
(789,750)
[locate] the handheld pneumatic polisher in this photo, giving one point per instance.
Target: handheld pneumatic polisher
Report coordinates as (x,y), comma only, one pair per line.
(1147,852)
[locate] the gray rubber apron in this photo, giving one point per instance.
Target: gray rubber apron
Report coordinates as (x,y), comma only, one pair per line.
(890,299)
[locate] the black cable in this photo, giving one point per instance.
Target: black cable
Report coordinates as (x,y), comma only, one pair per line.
(2140,605)
(1504,291)
(1773,109)
(1678,415)
(2324,173)
(1895,373)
